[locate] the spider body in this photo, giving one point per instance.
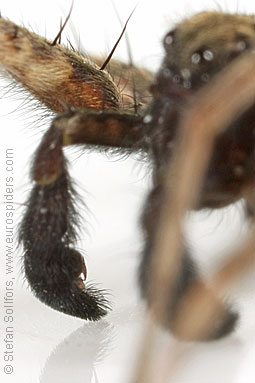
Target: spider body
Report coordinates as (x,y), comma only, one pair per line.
(92,113)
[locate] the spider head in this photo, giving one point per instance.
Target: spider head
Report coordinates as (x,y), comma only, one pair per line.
(199,47)
(195,51)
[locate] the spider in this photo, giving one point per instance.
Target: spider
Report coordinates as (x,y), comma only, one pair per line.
(91,112)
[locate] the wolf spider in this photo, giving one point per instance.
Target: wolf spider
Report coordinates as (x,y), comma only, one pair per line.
(92,113)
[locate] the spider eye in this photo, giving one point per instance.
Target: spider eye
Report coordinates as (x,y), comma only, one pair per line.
(243,41)
(202,55)
(169,39)
(242,44)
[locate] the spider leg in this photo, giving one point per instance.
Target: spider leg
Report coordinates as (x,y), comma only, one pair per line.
(102,129)
(56,271)
(59,77)
(62,79)
(53,268)
(188,278)
(54,75)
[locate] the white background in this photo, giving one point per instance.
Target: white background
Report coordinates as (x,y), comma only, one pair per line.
(49,346)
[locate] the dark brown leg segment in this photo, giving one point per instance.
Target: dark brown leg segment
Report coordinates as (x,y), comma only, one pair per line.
(224,320)
(54,269)
(102,129)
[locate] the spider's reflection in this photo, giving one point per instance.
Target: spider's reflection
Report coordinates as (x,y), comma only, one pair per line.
(75,358)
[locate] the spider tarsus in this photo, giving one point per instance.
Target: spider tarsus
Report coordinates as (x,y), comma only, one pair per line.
(225,325)
(57,39)
(54,279)
(215,319)
(55,271)
(221,326)
(178,310)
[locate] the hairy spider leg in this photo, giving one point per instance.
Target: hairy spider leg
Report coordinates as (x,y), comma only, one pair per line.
(54,269)
(61,79)
(188,281)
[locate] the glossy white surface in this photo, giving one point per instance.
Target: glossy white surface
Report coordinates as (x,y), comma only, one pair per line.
(51,347)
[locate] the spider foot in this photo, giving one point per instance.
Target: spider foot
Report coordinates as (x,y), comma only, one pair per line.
(193,311)
(200,315)
(57,279)
(55,271)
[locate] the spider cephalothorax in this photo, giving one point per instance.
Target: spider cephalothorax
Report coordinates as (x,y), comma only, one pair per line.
(91,112)
(195,52)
